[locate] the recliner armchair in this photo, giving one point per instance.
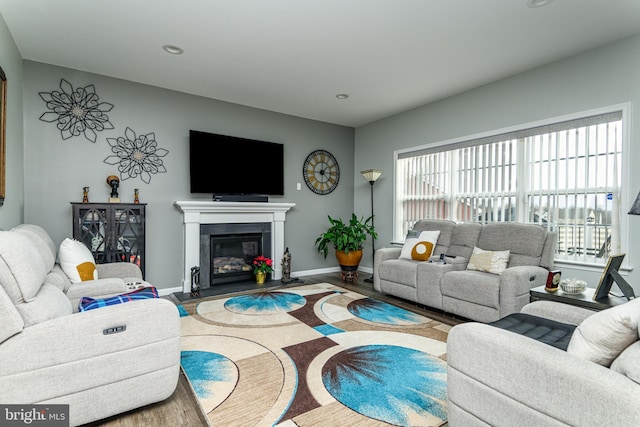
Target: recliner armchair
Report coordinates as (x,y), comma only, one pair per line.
(100,362)
(496,377)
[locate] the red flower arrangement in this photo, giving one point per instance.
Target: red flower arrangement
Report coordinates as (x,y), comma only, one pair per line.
(262,264)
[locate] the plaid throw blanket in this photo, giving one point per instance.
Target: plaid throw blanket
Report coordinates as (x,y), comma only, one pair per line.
(87,303)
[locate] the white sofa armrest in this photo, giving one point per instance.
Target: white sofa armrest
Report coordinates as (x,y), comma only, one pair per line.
(119,269)
(519,280)
(381,255)
(98,288)
(76,352)
(557,311)
(499,378)
(515,283)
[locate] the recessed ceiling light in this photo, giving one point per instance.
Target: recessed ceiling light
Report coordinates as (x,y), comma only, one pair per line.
(174,50)
(342,96)
(538,3)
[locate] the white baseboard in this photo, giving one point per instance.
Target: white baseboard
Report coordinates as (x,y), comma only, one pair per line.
(316,271)
(168,291)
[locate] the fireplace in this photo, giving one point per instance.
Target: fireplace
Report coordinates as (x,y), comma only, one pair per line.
(197,213)
(227,251)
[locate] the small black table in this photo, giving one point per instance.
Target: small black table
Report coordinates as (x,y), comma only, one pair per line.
(585,299)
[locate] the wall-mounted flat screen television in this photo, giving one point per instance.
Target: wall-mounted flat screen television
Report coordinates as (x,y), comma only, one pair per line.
(229,165)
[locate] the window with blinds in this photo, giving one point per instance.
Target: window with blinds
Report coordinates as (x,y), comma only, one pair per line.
(565,176)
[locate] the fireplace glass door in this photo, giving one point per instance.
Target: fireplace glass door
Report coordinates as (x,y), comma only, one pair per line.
(232,256)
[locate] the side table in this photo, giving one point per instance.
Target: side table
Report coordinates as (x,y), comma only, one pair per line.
(585,299)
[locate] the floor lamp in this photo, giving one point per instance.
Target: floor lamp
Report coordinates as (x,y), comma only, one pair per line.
(372,176)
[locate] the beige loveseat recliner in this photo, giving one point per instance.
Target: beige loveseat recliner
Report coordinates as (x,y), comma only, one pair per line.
(100,362)
(451,287)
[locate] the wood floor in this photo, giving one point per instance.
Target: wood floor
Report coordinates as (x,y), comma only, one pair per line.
(182,410)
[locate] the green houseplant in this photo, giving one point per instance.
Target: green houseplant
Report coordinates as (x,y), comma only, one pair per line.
(347,239)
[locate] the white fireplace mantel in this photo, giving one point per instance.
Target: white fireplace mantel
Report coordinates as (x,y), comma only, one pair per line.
(205,212)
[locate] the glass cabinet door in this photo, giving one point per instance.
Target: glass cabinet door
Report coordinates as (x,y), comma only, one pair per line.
(112,232)
(128,242)
(91,228)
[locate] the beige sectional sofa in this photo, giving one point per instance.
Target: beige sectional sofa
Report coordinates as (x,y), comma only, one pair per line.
(455,289)
(100,362)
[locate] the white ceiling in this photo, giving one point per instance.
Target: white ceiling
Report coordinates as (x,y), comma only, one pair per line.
(294,56)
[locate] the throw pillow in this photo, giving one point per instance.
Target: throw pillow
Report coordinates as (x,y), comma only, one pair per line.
(488,261)
(76,261)
(602,336)
(87,303)
(419,246)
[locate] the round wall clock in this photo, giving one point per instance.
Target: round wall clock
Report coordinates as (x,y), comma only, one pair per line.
(321,172)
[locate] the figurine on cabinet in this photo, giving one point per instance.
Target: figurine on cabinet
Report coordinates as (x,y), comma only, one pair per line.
(114,182)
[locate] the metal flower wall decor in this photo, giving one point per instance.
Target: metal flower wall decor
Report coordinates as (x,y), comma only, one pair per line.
(136,155)
(76,111)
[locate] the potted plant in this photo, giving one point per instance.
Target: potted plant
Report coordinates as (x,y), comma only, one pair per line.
(261,267)
(347,239)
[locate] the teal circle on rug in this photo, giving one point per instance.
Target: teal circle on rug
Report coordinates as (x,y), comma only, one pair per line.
(393,384)
(205,370)
(265,303)
(378,311)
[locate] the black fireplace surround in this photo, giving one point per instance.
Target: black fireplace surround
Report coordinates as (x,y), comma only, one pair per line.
(227,251)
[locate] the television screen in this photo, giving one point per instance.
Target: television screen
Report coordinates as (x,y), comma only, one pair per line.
(224,165)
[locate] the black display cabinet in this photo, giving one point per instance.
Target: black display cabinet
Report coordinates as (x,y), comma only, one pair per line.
(113,232)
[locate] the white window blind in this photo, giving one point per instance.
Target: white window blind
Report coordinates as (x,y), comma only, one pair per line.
(564,176)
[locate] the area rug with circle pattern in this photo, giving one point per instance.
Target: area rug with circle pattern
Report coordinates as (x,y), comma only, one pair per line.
(313,355)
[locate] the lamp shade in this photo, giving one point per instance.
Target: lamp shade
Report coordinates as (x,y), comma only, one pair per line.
(371,175)
(635,209)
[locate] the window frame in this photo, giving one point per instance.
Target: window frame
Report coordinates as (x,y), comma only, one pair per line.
(626,197)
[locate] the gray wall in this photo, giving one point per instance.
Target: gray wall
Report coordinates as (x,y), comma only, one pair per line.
(11,213)
(57,169)
(51,172)
(605,76)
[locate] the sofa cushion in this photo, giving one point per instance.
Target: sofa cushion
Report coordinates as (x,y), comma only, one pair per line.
(419,246)
(464,238)
(22,270)
(58,278)
(10,320)
(50,303)
(87,303)
(601,337)
(627,363)
(494,262)
(76,261)
(42,241)
(472,286)
(526,242)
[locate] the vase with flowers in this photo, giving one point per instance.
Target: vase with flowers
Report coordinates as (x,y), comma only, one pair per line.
(261,267)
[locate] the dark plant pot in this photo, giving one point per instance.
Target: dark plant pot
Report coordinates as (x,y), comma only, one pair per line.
(349,263)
